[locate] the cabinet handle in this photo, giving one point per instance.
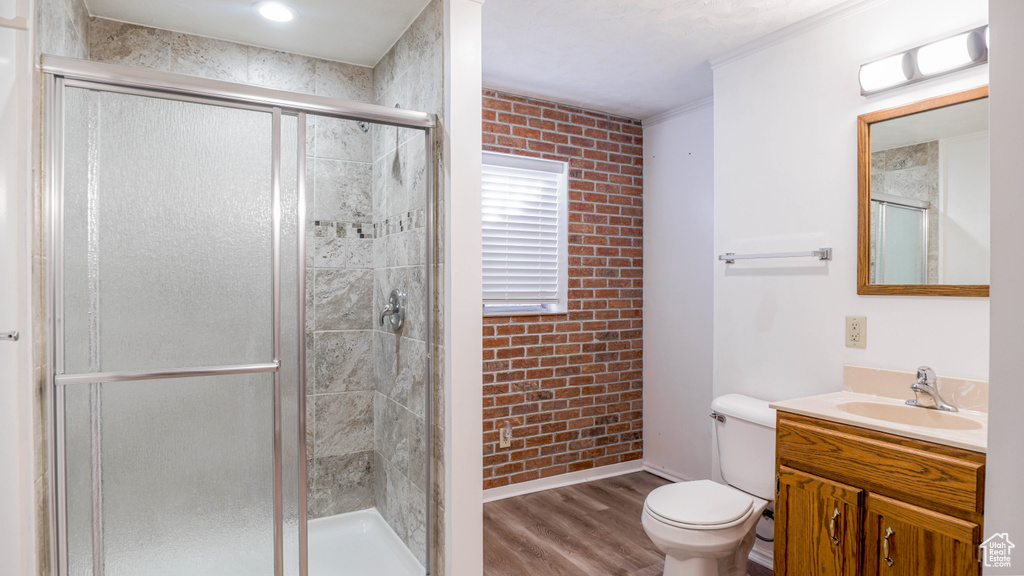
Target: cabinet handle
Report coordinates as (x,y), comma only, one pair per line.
(885,545)
(832,527)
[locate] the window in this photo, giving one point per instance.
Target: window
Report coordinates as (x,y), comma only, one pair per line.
(524,235)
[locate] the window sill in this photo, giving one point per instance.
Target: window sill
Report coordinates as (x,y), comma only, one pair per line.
(500,313)
(499,310)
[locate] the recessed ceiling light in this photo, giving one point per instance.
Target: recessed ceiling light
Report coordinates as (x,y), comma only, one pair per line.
(275,11)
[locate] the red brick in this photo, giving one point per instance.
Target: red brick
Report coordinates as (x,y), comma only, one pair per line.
(571,385)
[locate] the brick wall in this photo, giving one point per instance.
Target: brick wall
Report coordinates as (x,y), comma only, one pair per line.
(571,384)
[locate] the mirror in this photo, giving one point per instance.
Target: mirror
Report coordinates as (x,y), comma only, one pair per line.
(924,219)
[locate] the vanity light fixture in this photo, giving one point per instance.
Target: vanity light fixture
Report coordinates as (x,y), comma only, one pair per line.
(951,54)
(886,73)
(275,11)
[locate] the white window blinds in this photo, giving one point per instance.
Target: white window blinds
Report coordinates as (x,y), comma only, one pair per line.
(524,215)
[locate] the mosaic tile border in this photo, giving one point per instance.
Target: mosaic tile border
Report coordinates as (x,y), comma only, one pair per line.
(411,220)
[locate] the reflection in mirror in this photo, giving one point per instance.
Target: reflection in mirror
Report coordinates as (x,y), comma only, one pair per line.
(928,199)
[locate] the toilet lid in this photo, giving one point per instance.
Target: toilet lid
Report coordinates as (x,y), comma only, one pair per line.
(699,503)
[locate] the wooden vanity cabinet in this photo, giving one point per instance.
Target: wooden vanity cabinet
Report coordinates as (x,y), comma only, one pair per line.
(852,501)
(828,516)
(920,541)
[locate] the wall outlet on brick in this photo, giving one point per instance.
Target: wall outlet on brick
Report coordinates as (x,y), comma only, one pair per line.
(505,436)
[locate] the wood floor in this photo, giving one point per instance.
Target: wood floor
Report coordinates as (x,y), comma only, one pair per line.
(590,529)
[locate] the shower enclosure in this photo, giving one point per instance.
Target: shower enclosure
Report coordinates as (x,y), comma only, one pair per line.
(229,396)
(899,240)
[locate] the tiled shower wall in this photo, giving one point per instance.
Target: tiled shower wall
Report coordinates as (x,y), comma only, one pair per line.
(408,77)
(365,189)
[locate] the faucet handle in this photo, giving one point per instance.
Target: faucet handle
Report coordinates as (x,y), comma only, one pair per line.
(926,375)
(395,308)
(927,385)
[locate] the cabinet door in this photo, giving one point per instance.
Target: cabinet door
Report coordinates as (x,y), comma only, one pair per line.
(906,540)
(818,526)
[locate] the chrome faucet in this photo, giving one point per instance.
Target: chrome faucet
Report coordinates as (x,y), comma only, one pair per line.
(395,308)
(926,384)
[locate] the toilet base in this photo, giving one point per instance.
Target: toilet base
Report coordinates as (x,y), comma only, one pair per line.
(717,557)
(731,565)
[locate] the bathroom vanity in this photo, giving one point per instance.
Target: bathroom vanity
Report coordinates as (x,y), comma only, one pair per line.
(860,492)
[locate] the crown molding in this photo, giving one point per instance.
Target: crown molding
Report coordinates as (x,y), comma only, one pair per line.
(706,102)
(795,29)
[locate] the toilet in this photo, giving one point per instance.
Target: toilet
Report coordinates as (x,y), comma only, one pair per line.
(705,528)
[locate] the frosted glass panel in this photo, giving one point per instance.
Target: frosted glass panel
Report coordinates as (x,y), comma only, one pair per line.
(78,461)
(168,237)
(187,476)
(903,246)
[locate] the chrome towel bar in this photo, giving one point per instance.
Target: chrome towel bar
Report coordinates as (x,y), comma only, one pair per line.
(820,254)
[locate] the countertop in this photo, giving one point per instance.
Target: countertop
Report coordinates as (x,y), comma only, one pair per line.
(830,407)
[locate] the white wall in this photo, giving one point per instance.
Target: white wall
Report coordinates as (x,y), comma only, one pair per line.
(678,292)
(786,179)
(1004,508)
(965,214)
(17,523)
(463,534)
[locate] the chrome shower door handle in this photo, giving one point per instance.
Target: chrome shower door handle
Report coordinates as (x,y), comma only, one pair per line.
(395,309)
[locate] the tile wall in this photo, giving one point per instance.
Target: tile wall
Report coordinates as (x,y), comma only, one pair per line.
(409,77)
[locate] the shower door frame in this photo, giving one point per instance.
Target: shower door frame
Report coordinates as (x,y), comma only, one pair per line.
(60,72)
(884,202)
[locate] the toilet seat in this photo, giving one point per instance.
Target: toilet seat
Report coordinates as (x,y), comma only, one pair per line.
(699,505)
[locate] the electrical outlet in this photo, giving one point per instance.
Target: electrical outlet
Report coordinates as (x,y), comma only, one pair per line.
(856,332)
(505,436)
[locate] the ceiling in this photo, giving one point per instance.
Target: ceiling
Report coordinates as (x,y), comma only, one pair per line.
(634,58)
(354,31)
(949,122)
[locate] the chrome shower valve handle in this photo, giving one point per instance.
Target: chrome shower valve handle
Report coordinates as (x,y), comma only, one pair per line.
(394,310)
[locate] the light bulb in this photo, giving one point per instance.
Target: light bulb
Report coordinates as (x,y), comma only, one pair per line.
(883,73)
(944,55)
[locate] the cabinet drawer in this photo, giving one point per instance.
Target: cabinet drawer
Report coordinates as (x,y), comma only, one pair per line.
(909,470)
(905,540)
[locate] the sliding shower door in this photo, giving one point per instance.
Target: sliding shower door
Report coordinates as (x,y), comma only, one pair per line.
(176,340)
(207,240)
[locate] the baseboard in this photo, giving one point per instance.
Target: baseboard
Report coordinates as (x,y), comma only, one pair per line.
(568,479)
(762,557)
(664,473)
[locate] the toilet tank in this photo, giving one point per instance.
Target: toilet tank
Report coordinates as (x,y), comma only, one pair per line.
(746,443)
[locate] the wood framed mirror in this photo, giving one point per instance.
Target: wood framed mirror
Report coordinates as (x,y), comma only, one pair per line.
(923,225)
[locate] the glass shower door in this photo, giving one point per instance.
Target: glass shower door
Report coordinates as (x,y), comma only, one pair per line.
(901,250)
(170,364)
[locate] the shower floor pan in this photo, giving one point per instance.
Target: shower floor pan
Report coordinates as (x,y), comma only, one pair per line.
(358,544)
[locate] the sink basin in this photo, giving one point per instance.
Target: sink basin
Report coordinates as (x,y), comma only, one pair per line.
(909,415)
